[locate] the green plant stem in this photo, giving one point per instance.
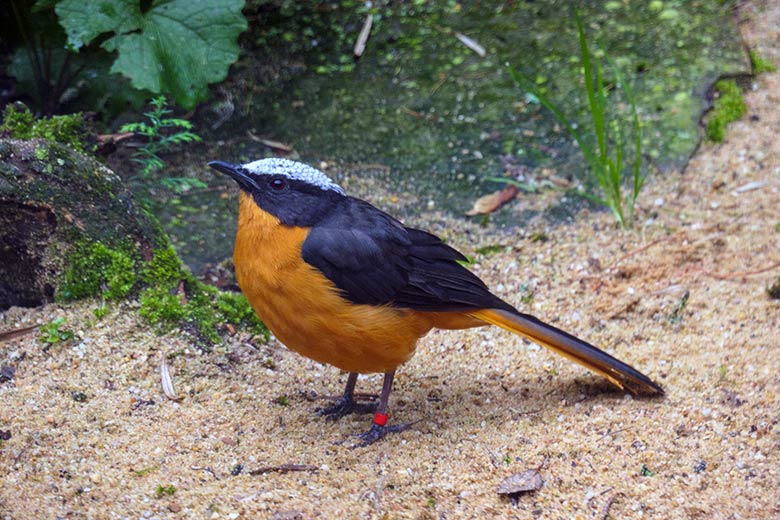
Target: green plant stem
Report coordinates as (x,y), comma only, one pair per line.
(30,48)
(606,159)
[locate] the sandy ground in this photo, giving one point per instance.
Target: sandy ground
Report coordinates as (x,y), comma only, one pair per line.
(488,404)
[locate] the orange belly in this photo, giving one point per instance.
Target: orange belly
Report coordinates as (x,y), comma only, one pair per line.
(305,311)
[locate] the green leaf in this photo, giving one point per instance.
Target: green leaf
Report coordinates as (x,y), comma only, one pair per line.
(84,21)
(176,47)
(42,5)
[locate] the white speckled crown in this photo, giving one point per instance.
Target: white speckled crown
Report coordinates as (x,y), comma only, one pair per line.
(293,170)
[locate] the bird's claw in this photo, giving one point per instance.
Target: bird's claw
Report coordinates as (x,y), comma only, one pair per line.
(345,406)
(376,432)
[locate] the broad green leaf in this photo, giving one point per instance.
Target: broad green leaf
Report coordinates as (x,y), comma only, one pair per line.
(84,21)
(42,5)
(177,47)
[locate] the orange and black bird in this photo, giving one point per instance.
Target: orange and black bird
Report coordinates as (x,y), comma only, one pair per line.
(346,284)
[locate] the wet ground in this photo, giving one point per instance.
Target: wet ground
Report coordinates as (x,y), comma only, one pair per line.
(426,115)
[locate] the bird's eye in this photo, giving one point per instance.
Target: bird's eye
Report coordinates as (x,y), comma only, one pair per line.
(278,184)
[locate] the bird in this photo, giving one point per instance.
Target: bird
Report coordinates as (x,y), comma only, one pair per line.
(344,283)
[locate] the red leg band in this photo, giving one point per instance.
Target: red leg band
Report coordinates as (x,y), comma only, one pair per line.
(380,418)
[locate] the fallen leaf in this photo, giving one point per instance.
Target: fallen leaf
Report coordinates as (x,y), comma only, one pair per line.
(276,145)
(528,480)
(490,203)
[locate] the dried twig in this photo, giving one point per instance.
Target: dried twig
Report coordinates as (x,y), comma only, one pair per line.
(8,335)
(114,138)
(207,469)
(437,86)
(639,250)
(21,452)
(412,113)
(740,274)
(623,308)
(607,505)
(284,468)
(614,432)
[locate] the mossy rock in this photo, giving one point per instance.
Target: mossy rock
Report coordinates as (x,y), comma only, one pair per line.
(55,201)
(727,108)
(70,229)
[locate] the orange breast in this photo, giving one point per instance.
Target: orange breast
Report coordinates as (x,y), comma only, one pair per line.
(306,313)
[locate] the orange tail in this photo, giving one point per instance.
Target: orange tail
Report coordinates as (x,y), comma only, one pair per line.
(619,373)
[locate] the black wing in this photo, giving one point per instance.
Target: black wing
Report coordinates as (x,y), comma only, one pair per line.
(374,259)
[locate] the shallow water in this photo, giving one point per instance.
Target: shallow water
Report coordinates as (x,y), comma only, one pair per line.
(441,117)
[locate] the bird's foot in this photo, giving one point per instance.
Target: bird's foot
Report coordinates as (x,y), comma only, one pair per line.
(345,406)
(376,432)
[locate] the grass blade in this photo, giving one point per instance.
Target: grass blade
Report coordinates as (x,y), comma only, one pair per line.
(637,164)
(606,158)
(597,113)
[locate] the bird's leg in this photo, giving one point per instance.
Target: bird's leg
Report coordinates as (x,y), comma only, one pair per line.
(379,429)
(346,404)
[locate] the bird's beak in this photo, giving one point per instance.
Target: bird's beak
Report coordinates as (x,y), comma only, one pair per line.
(236,172)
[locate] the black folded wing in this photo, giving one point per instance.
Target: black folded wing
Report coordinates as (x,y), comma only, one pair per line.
(374,259)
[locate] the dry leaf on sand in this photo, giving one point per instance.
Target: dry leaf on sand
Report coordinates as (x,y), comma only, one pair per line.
(490,203)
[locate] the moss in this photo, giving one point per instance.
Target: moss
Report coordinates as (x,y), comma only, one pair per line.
(201,308)
(729,107)
(170,295)
(158,305)
(41,152)
(20,123)
(235,309)
(490,250)
(760,64)
(165,269)
(203,313)
(96,269)
(175,297)
(145,471)
(163,491)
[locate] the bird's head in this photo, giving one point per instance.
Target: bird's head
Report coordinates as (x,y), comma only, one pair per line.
(295,193)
